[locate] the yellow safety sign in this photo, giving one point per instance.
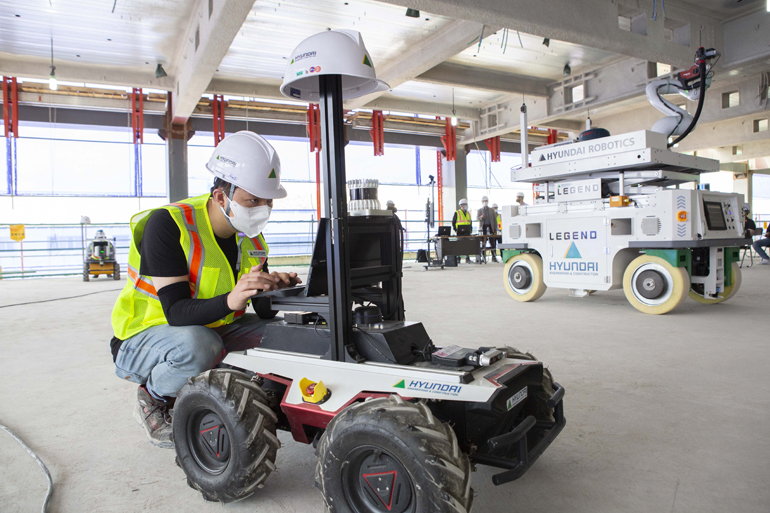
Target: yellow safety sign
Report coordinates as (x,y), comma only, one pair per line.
(17,232)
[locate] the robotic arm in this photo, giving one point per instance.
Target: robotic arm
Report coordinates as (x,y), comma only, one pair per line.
(691,84)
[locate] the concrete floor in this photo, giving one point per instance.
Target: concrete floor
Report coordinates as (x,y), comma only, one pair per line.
(664,414)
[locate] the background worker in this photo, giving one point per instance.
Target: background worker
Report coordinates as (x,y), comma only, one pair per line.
(751,228)
(487,218)
(193,267)
(462,218)
(520,198)
(499,226)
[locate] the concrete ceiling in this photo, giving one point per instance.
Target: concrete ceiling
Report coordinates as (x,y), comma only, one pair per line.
(138,34)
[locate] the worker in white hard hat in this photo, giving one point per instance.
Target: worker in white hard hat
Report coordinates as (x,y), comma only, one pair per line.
(193,266)
(520,198)
(487,219)
(462,218)
(389,205)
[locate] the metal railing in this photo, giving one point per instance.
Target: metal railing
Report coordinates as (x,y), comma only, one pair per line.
(58,249)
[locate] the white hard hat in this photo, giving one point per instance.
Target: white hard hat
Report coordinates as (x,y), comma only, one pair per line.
(247,160)
(484,198)
(494,205)
(463,201)
(334,52)
(390,203)
(746,208)
(519,194)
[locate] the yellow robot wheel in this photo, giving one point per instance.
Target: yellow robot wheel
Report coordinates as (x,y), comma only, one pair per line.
(523,277)
(653,286)
(728,292)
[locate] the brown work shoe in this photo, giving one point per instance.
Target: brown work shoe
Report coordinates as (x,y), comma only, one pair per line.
(154,415)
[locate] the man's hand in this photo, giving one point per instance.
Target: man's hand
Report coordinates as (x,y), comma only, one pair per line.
(249,284)
(286,279)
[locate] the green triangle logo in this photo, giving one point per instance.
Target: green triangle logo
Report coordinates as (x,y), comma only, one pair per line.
(217,157)
(272,174)
(573,252)
(400,384)
(292,62)
(367,61)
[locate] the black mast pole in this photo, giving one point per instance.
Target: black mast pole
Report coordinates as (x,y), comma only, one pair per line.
(336,210)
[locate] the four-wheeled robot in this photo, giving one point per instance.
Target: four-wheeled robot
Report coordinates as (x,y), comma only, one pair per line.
(101,258)
(609,213)
(397,422)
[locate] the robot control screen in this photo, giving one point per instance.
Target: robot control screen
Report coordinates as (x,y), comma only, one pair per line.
(715,217)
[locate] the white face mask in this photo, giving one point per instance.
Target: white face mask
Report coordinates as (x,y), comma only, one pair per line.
(484,203)
(251,221)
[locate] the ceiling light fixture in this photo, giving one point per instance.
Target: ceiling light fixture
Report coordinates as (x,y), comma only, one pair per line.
(160,72)
(567,70)
(412,13)
(52,78)
(547,42)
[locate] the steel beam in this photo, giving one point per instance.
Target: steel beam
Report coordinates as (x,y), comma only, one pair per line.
(210,32)
(446,42)
(592,23)
(459,75)
(28,66)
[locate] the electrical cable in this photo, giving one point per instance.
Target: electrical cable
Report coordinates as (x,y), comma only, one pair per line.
(59,298)
(701,97)
(39,462)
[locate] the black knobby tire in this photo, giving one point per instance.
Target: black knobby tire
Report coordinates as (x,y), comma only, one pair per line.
(544,391)
(386,454)
(224,435)
(86,273)
(116,272)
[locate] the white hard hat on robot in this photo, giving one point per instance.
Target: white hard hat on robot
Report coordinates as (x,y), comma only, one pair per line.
(334,52)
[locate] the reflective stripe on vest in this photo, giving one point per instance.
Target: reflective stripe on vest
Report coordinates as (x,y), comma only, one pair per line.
(142,284)
(463,218)
(209,272)
(196,252)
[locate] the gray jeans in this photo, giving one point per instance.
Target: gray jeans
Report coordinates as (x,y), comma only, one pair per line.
(759,244)
(163,357)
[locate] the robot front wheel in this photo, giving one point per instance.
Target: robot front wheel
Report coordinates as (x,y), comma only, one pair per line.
(653,286)
(523,277)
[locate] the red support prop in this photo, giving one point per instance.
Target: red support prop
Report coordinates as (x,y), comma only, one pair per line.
(137,115)
(314,133)
(493,144)
(552,136)
(450,141)
(10,107)
(218,111)
(377,133)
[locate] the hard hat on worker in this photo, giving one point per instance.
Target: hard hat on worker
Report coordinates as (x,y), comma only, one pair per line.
(484,198)
(333,52)
(247,160)
(463,201)
(519,194)
(494,205)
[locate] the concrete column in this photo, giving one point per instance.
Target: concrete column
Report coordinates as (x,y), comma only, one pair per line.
(455,184)
(176,163)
